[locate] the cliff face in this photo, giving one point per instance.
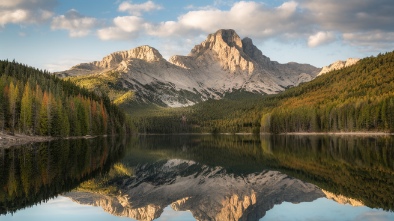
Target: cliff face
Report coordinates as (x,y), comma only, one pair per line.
(222,63)
(208,193)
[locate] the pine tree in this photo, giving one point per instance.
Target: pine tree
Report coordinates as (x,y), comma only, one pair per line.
(44,120)
(26,115)
(2,102)
(36,109)
(12,100)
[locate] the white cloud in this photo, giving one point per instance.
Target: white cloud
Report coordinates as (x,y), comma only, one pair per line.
(312,22)
(113,33)
(137,9)
(124,27)
(364,24)
(351,15)
(251,19)
(25,11)
(371,40)
(129,23)
(320,38)
(72,21)
(13,16)
(10,3)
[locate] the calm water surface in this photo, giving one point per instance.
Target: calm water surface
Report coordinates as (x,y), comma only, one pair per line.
(200,178)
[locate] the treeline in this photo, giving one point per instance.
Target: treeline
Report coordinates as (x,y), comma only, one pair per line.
(357,98)
(34,102)
(238,112)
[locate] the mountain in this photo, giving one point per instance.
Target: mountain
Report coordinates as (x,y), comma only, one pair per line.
(338,65)
(209,193)
(221,64)
(355,98)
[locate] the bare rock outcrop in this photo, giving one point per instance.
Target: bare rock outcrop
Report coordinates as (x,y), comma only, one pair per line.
(338,65)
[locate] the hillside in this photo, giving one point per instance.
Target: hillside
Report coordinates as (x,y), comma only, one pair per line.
(355,98)
(221,64)
(34,102)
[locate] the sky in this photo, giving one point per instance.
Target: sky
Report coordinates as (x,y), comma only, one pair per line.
(322,209)
(58,34)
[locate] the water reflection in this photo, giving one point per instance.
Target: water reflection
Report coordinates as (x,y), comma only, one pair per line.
(238,178)
(35,173)
(358,167)
(213,177)
(210,193)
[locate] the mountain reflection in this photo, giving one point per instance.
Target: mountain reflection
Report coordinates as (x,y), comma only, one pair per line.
(214,177)
(210,193)
(35,173)
(242,177)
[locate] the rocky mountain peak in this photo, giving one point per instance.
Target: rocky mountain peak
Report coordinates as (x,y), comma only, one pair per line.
(145,52)
(225,47)
(228,36)
(223,39)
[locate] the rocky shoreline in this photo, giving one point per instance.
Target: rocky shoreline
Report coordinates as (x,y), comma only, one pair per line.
(7,140)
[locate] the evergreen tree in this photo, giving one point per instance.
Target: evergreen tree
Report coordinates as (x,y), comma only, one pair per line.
(12,101)
(26,115)
(44,119)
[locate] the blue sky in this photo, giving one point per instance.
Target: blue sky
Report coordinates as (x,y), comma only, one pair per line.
(63,208)
(57,34)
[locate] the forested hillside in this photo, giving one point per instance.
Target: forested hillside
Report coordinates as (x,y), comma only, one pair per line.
(356,98)
(237,112)
(36,103)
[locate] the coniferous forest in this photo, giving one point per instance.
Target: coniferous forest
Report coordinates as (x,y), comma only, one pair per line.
(34,102)
(356,98)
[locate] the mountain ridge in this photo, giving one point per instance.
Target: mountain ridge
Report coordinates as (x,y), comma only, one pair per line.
(222,63)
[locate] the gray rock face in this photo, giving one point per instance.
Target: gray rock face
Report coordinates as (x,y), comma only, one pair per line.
(208,193)
(338,65)
(220,64)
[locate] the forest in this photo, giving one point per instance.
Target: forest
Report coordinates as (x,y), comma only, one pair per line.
(34,102)
(356,98)
(353,99)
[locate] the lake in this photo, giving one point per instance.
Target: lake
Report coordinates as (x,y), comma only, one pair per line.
(200,177)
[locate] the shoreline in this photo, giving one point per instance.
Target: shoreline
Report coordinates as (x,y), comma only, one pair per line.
(7,141)
(359,133)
